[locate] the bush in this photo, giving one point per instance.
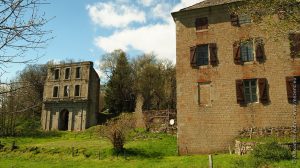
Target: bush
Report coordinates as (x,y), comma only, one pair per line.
(117,130)
(271,152)
(264,154)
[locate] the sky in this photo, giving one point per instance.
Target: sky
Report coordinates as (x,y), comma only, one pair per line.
(84,30)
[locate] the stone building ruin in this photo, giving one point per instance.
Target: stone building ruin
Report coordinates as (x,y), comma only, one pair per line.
(71,97)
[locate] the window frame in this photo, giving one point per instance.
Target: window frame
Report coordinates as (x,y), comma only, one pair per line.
(249,89)
(245,44)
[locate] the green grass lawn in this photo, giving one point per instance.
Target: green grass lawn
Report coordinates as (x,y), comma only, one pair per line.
(85,149)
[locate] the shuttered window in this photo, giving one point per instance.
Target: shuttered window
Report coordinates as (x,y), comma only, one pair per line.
(263,87)
(292,82)
(234,18)
(201,23)
(295,45)
(244,19)
(252,90)
(260,50)
(244,51)
(202,55)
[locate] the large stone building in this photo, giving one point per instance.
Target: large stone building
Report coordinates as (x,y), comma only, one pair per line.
(71,97)
(230,76)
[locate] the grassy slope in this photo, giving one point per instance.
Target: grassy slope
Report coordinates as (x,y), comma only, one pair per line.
(147,150)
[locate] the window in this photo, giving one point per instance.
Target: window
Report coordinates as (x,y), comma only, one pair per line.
(201,23)
(244,19)
(55,91)
(67,73)
(77,90)
(237,20)
(250,90)
(295,45)
(247,51)
(66,91)
(78,69)
(56,74)
(202,55)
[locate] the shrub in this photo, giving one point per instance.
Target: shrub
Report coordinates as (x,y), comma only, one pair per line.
(271,152)
(117,130)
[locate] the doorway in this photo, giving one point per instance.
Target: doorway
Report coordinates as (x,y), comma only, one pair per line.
(64,120)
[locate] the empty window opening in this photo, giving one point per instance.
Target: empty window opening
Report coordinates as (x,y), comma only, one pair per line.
(67,73)
(77,90)
(66,91)
(78,69)
(201,23)
(56,74)
(55,91)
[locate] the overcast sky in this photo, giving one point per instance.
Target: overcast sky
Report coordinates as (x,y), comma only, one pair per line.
(86,29)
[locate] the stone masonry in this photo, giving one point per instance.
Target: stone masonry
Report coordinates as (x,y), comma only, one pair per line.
(209,116)
(71,97)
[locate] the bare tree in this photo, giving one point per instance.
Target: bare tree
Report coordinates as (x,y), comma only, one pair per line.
(117,130)
(21,30)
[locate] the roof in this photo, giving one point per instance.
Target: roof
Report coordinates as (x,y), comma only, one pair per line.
(208,3)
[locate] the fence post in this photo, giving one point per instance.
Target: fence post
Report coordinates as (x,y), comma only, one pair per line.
(210,159)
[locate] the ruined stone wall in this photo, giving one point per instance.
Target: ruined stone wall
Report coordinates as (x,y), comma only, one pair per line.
(94,91)
(159,121)
(81,109)
(213,127)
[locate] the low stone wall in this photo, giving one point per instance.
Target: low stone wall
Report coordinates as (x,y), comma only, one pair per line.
(266,132)
(158,120)
(242,148)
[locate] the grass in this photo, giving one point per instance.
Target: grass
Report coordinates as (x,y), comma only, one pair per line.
(85,149)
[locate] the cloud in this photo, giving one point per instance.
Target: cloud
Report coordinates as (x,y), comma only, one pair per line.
(115,15)
(184,4)
(162,11)
(146,2)
(159,38)
(149,37)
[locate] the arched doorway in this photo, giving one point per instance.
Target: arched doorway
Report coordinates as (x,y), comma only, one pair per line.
(64,120)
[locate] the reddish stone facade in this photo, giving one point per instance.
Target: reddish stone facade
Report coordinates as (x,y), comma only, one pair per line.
(208,113)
